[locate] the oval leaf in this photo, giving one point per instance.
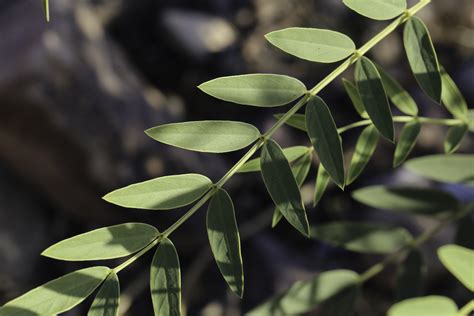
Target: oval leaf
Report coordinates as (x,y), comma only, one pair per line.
(282,186)
(354,95)
(399,96)
(365,148)
(422,57)
(318,45)
(406,142)
(165,280)
(325,139)
(107,300)
(425,306)
(162,193)
(410,276)
(451,96)
(225,240)
(460,262)
(291,154)
(454,138)
(452,168)
(303,296)
(406,199)
(373,96)
(322,182)
(59,295)
(377,9)
(104,243)
(362,237)
(266,90)
(206,136)
(297,121)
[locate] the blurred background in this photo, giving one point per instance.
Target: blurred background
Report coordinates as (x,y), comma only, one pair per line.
(77,93)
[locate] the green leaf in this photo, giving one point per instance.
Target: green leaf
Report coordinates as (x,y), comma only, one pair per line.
(460,262)
(318,45)
(454,138)
(300,171)
(410,276)
(291,154)
(365,148)
(104,243)
(470,120)
(399,96)
(162,193)
(282,186)
(322,182)
(445,168)
(377,9)
(425,306)
(422,57)
(354,95)
(165,280)
(107,300)
(373,96)
(406,142)
(362,237)
(465,232)
(451,96)
(59,295)
(297,121)
(304,296)
(323,133)
(407,199)
(265,90)
(206,136)
(225,240)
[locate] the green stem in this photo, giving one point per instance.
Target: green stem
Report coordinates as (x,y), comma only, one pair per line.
(315,90)
(46,9)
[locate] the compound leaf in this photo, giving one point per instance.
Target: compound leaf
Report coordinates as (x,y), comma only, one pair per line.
(104,243)
(424,306)
(410,276)
(354,95)
(365,148)
(225,240)
(322,182)
(454,138)
(451,96)
(406,142)
(377,9)
(265,90)
(291,154)
(107,300)
(206,136)
(460,262)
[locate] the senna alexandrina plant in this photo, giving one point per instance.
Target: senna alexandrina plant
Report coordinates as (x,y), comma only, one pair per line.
(283,172)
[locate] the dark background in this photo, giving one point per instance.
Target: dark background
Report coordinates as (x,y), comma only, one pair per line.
(77,93)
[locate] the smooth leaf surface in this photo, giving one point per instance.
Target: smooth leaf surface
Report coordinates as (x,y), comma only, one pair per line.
(406,142)
(406,199)
(362,237)
(460,262)
(104,243)
(451,97)
(206,136)
(323,133)
(422,57)
(454,138)
(322,182)
(354,95)
(425,306)
(410,276)
(162,193)
(265,90)
(304,296)
(377,9)
(365,148)
(318,45)
(165,280)
(297,121)
(225,240)
(399,96)
(445,168)
(59,295)
(291,154)
(107,300)
(373,96)
(282,186)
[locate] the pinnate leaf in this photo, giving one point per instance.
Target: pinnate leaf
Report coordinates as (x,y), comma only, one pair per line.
(425,306)
(318,45)
(365,148)
(225,240)
(162,193)
(107,300)
(377,9)
(265,90)
(206,136)
(406,142)
(454,138)
(460,262)
(291,154)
